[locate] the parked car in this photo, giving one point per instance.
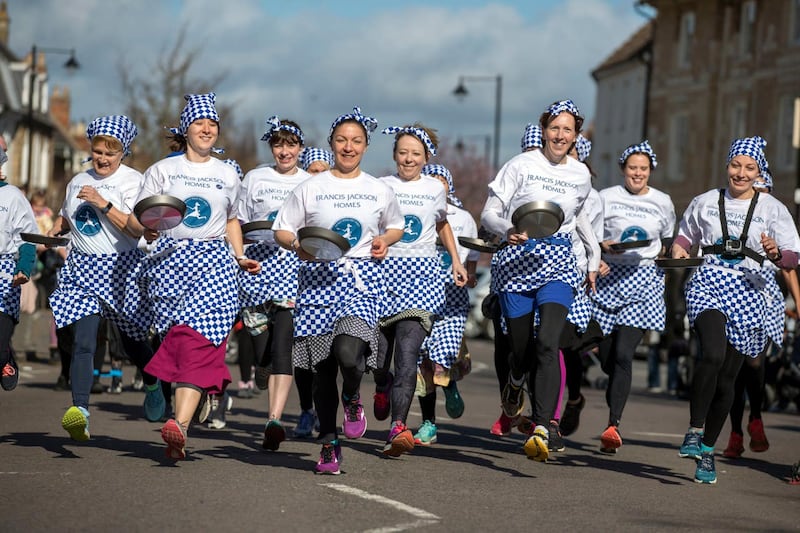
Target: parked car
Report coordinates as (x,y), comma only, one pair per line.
(478,326)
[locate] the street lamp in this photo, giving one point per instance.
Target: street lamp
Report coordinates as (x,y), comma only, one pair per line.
(461,92)
(71,64)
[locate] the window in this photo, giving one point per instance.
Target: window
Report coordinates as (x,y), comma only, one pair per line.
(678,139)
(747,25)
(794,23)
(686,39)
(785,153)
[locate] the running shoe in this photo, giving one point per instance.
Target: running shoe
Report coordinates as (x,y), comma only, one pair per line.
(216,418)
(555,442)
(735,447)
(513,399)
(174,436)
(116,385)
(426,435)
(537,447)
(453,402)
(138,382)
(329,459)
(274,434)
(758,439)
(382,401)
(76,422)
(610,440)
(399,441)
(262,378)
(97,387)
(245,390)
(203,409)
(795,477)
(62,383)
(154,402)
(305,426)
(501,426)
(691,446)
(706,472)
(524,425)
(572,416)
(10,375)
(355,422)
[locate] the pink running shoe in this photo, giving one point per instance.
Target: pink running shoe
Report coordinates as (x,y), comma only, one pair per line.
(329,459)
(355,422)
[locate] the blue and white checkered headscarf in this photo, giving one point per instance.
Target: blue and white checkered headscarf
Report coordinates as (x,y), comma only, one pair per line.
(311,154)
(369,123)
(584,147)
(750,146)
(766,179)
(441,170)
(3,156)
(419,133)
(197,106)
(532,138)
(119,127)
(641,148)
(235,165)
(564,106)
(274,125)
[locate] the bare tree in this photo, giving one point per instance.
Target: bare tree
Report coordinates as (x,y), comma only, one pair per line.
(153,99)
(471,174)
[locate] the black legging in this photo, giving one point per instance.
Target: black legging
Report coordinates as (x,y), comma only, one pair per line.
(401,342)
(304,381)
(573,346)
(538,355)
(750,379)
(6,332)
(246,354)
(273,348)
(616,353)
(715,371)
(427,405)
(502,352)
(350,354)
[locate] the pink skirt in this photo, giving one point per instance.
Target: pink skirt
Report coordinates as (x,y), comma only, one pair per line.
(185,356)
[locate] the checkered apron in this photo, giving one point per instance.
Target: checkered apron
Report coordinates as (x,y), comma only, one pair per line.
(333,298)
(530,266)
(277,279)
(91,284)
(191,282)
(750,300)
(9,295)
(444,342)
(580,312)
(412,283)
(631,295)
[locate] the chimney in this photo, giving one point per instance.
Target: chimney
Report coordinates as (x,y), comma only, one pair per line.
(60,106)
(4,23)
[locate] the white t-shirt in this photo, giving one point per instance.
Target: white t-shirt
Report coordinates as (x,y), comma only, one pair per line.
(701,223)
(359,209)
(529,176)
(209,189)
(92,232)
(636,217)
(16,216)
(463,225)
(263,192)
(423,204)
(593,208)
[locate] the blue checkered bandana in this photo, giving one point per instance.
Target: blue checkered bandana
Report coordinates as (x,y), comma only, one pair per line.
(419,133)
(3,156)
(310,154)
(564,106)
(641,148)
(369,123)
(235,165)
(197,106)
(750,146)
(765,180)
(118,126)
(584,147)
(532,138)
(274,125)
(441,170)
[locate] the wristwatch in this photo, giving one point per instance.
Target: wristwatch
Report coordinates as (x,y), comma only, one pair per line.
(107,208)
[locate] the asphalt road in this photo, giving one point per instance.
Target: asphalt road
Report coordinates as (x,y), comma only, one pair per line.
(468,481)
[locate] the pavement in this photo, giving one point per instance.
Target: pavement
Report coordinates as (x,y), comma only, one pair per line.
(469,481)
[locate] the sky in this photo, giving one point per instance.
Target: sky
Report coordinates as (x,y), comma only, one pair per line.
(311,61)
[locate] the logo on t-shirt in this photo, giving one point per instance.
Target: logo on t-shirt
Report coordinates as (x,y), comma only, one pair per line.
(87,221)
(198,212)
(634,233)
(412,229)
(272,216)
(349,228)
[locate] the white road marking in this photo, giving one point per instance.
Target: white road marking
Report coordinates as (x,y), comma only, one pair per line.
(667,435)
(424,518)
